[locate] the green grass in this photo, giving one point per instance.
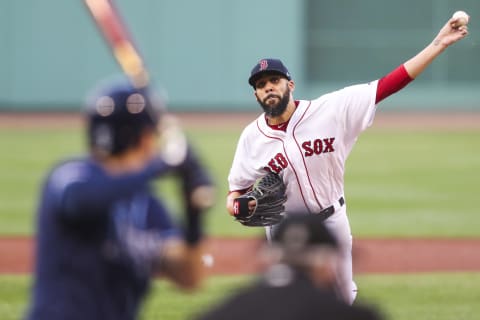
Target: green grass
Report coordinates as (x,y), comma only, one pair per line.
(427,297)
(398,183)
(435,296)
(167,302)
(26,157)
(414,184)
(14,293)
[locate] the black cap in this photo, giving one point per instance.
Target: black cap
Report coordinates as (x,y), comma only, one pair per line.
(268,65)
(298,232)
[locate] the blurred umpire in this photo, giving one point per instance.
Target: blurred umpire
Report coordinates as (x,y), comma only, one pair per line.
(101,232)
(300,280)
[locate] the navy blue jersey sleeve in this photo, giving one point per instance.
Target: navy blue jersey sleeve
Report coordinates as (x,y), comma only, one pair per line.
(81,189)
(160,220)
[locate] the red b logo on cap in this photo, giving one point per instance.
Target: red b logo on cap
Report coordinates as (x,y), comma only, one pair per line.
(263,65)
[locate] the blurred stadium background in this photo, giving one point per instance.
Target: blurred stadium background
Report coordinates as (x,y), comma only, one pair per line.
(406,179)
(201,52)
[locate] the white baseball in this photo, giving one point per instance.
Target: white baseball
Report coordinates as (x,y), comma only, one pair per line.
(208,260)
(462,17)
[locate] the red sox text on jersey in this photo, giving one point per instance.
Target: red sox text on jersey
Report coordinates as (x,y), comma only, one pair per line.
(310,148)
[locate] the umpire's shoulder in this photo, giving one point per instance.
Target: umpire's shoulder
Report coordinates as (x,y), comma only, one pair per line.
(365,312)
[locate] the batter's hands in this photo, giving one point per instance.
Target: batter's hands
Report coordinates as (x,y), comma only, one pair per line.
(173,143)
(450,34)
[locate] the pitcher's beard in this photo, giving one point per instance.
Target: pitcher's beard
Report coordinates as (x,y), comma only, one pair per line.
(276,109)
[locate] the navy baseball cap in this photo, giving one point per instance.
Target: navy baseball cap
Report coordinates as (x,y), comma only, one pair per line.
(268,65)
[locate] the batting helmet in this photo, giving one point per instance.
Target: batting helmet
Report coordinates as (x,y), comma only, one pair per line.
(118,114)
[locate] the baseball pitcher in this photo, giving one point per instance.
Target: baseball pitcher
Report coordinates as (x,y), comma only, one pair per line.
(306,144)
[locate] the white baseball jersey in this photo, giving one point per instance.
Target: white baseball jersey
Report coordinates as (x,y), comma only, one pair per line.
(310,156)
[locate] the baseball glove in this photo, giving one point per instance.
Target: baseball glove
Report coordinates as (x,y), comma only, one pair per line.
(268,193)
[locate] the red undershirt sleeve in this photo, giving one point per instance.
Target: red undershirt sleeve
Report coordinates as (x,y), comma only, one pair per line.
(392,82)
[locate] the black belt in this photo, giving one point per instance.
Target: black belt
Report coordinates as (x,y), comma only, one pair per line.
(327,212)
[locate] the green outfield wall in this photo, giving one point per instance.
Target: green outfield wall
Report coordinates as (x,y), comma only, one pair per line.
(201,52)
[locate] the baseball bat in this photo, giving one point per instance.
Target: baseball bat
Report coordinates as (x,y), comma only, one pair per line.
(110,23)
(176,150)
